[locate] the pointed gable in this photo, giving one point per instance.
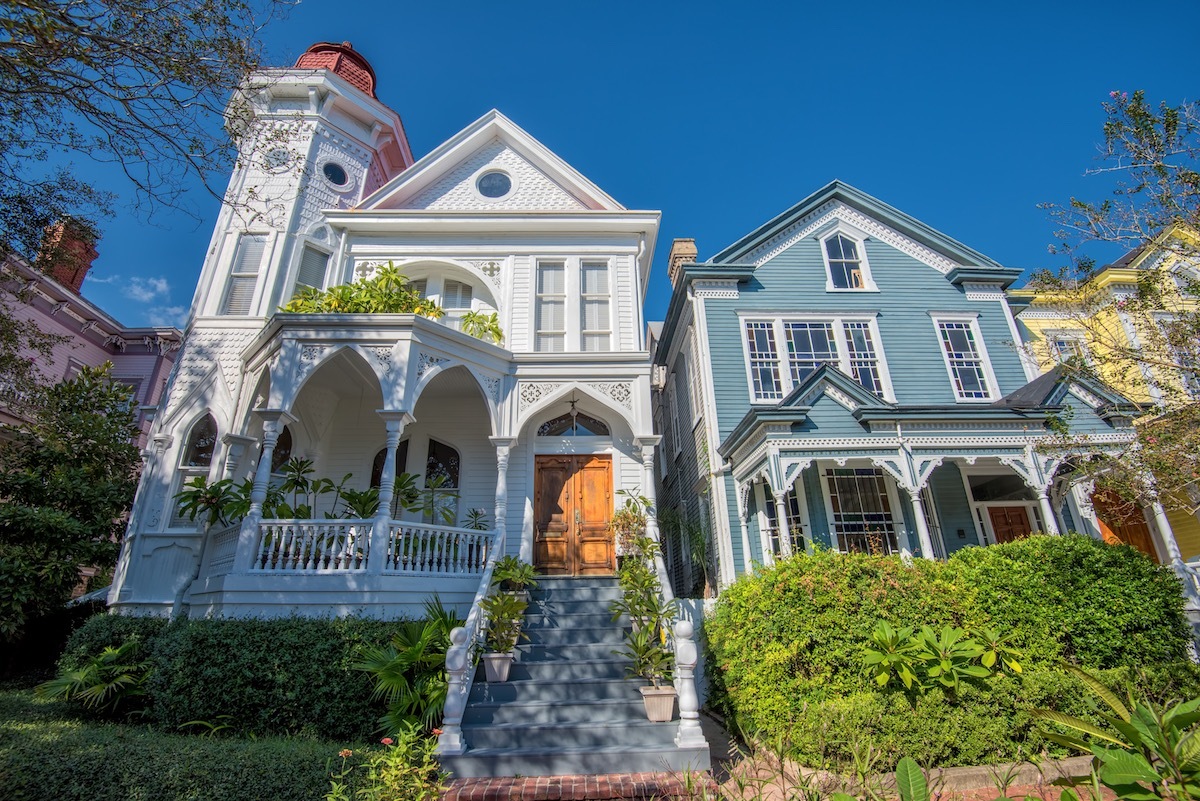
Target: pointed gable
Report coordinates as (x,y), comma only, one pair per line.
(447,179)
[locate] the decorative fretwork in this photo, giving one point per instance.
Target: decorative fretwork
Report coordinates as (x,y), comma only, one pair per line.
(383,355)
(492,386)
(427,362)
(619,391)
(532,392)
(309,356)
(492,268)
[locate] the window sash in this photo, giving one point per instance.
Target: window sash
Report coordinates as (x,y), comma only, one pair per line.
(845,267)
(764,360)
(243,276)
(862,511)
(550,318)
(966,361)
(313,264)
(595,307)
(849,345)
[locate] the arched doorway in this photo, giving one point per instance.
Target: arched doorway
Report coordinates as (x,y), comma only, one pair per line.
(573,498)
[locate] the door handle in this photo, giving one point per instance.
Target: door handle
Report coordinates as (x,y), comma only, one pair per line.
(578,520)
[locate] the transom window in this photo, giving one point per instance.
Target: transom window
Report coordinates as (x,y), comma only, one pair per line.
(862,510)
(845,265)
(965,359)
(848,344)
(573,424)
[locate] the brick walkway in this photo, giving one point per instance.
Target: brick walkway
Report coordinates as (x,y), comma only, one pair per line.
(615,787)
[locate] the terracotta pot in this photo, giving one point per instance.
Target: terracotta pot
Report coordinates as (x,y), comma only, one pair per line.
(496,665)
(660,703)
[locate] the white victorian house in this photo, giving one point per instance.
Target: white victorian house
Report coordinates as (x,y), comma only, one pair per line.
(539,432)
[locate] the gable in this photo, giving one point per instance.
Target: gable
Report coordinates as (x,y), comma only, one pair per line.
(532,188)
(447,178)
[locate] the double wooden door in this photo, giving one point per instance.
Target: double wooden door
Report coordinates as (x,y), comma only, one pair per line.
(1009,522)
(572,507)
(1123,523)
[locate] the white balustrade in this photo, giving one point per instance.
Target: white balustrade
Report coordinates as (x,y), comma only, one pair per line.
(221,550)
(312,546)
(436,550)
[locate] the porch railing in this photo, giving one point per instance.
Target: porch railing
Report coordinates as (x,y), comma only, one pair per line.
(440,550)
(312,546)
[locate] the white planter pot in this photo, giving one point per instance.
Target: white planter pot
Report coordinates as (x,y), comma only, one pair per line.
(660,703)
(496,665)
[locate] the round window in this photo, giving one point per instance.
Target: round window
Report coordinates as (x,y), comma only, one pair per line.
(494,184)
(335,173)
(277,158)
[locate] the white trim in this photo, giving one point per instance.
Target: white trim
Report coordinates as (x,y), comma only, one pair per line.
(838,322)
(989,375)
(859,241)
(487,169)
(764,538)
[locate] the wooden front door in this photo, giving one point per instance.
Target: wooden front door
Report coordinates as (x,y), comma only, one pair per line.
(572,506)
(1119,524)
(1009,522)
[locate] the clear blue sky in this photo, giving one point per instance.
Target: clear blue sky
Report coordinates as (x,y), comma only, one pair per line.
(721,115)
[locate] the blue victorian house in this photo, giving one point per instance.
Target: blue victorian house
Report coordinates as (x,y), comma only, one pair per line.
(847,376)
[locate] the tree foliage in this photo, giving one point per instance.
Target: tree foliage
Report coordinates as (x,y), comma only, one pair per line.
(141,84)
(66,482)
(1143,334)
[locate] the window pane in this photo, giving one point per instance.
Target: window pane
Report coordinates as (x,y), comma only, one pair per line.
(595,315)
(201,442)
(809,346)
(594,279)
(551,315)
(456,295)
(595,343)
(864,363)
(250,253)
(764,364)
(312,268)
(862,515)
(966,365)
(549,343)
(551,279)
(240,296)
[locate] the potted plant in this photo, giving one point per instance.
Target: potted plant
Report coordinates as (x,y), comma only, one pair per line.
(505,614)
(651,661)
(513,576)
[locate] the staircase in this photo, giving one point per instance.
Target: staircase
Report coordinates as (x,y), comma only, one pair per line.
(568,706)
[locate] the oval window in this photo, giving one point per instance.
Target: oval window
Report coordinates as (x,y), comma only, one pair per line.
(335,173)
(494,184)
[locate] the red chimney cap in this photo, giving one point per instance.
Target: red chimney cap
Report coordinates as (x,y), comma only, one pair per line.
(342,60)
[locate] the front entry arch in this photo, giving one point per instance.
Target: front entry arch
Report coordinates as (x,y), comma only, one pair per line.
(572,508)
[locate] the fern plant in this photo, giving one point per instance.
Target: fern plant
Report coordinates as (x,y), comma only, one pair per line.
(107,682)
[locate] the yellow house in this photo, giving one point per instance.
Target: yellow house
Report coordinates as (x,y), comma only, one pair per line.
(1128,322)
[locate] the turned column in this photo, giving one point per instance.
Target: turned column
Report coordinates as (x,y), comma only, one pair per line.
(923,534)
(785,536)
(380,536)
(247,550)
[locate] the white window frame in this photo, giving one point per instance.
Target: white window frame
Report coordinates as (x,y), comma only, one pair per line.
(695,392)
(673,409)
(264,258)
(307,245)
(1190,384)
(859,241)
(185,473)
(783,366)
(565,332)
(1056,335)
(584,333)
(889,485)
(989,375)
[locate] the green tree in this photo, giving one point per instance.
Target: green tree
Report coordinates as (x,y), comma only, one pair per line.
(1149,162)
(66,482)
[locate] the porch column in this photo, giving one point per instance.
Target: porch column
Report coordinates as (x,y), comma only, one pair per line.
(247,549)
(377,553)
(1048,516)
(1165,532)
(785,536)
(923,534)
(646,444)
(500,514)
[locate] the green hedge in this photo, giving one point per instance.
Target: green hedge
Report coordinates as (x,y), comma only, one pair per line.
(288,676)
(786,645)
(44,755)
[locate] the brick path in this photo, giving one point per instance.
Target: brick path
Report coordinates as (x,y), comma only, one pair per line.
(615,787)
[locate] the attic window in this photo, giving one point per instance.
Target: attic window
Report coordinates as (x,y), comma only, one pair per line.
(846,266)
(335,173)
(494,184)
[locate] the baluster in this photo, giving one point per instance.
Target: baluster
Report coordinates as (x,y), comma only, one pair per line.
(450,741)
(309,548)
(260,559)
(689,734)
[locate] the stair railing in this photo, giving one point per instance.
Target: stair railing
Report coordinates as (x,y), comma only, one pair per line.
(689,734)
(459,659)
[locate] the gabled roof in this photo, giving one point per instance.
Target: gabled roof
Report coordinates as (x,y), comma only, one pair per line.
(1050,390)
(832,376)
(873,207)
(498,135)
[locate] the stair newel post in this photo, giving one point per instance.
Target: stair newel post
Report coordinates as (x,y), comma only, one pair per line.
(503,447)
(458,659)
(377,553)
(689,735)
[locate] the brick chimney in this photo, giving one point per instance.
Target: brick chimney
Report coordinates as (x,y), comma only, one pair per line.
(683,251)
(68,250)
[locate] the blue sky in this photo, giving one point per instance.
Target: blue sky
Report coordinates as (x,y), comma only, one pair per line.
(721,115)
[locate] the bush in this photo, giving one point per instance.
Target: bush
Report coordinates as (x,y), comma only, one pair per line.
(45,756)
(288,676)
(786,645)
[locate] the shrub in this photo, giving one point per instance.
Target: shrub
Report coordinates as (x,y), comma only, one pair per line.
(287,676)
(44,756)
(786,645)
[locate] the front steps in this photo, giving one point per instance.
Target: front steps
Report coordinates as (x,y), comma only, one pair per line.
(568,707)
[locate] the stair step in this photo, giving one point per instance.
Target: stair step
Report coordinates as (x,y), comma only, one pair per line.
(567,607)
(539,619)
(572,760)
(546,712)
(609,635)
(558,652)
(568,669)
(560,582)
(599,594)
(564,692)
(583,734)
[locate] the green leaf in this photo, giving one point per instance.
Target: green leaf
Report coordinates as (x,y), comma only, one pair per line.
(1099,690)
(1072,722)
(1119,766)
(910,781)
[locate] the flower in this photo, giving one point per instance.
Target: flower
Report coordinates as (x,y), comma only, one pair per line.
(387,741)
(345,752)
(436,732)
